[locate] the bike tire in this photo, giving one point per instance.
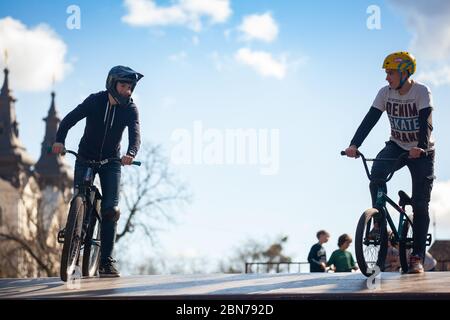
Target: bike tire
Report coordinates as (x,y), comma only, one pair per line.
(72,238)
(91,252)
(370,246)
(405,246)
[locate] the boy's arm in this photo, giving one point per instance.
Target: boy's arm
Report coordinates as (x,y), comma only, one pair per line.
(331,260)
(134,136)
(312,254)
(354,266)
(71,119)
(425,106)
(366,126)
(425,127)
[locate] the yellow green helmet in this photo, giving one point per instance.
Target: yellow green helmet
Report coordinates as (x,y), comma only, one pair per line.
(401,61)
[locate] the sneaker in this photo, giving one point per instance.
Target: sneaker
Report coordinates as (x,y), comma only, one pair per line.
(108,269)
(415,264)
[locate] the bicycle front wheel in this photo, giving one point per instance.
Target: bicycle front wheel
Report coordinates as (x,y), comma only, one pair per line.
(91,252)
(371,242)
(72,239)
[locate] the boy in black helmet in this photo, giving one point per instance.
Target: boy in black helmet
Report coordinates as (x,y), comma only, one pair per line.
(107,114)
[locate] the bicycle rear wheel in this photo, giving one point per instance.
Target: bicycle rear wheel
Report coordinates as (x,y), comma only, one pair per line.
(371,242)
(72,239)
(91,251)
(406,244)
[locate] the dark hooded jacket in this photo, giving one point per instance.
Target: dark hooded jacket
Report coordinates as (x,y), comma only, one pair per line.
(104,127)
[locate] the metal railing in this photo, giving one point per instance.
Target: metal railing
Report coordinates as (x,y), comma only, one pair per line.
(270,266)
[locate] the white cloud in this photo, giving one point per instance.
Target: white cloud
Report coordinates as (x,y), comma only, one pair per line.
(217,10)
(262,62)
(428,20)
(437,76)
(178,57)
(440,206)
(430,43)
(195,40)
(35,55)
(183,12)
(260,27)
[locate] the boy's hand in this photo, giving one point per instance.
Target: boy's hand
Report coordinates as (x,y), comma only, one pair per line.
(352,151)
(415,152)
(57,148)
(127,160)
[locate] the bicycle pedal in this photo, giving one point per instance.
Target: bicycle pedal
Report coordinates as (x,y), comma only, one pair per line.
(61,235)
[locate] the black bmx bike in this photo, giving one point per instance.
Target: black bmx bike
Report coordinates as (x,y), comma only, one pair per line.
(81,235)
(376,226)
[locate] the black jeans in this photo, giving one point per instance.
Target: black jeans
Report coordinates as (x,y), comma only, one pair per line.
(110,182)
(422,174)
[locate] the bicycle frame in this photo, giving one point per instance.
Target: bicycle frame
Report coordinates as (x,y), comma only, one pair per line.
(83,222)
(382,199)
(91,196)
(87,188)
(371,242)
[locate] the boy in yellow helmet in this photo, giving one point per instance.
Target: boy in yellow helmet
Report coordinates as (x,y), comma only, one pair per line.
(408,105)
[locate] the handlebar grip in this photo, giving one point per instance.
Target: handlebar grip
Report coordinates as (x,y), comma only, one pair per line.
(50,150)
(343,153)
(136,163)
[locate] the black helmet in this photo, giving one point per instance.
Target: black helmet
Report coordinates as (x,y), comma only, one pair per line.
(122,74)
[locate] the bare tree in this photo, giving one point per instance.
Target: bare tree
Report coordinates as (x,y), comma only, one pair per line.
(255,251)
(179,264)
(37,255)
(150,193)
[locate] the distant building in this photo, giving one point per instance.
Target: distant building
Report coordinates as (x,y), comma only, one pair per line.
(440,250)
(33,196)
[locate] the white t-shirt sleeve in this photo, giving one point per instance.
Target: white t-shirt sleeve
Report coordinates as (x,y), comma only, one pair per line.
(380,100)
(424,99)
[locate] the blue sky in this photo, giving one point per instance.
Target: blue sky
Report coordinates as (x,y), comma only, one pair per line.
(323,70)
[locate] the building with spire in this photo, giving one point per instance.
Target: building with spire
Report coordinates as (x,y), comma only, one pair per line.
(51,170)
(15,162)
(33,196)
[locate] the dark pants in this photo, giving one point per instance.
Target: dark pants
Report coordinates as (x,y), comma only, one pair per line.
(422,174)
(110,181)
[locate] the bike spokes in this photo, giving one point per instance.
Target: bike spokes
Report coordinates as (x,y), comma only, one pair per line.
(370,242)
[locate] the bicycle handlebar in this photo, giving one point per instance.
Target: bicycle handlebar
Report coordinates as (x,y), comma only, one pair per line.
(391,174)
(102,162)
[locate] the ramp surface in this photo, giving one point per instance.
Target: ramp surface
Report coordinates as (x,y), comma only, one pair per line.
(432,285)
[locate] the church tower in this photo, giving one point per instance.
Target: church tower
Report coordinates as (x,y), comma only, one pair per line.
(15,162)
(50,168)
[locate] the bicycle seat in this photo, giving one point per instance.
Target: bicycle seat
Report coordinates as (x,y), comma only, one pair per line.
(405,200)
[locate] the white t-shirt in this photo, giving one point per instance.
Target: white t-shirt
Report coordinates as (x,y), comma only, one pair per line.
(403,113)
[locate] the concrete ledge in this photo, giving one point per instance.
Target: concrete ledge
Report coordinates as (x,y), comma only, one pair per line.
(329,286)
